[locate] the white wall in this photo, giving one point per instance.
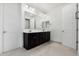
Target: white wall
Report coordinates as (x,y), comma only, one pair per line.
(20,33)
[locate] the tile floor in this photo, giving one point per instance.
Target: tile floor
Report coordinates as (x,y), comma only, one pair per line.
(46,49)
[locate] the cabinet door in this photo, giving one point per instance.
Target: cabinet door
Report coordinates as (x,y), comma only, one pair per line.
(47,36)
(32,39)
(37,39)
(41,37)
(25,40)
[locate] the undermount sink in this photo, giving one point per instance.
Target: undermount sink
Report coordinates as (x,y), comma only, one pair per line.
(36,30)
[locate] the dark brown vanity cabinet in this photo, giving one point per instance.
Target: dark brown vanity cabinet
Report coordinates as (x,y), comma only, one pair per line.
(31,40)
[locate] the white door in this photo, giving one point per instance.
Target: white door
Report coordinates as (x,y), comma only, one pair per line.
(1,17)
(11,21)
(69,26)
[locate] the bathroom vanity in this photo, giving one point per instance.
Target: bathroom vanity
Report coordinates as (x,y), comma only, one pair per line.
(34,39)
(36,25)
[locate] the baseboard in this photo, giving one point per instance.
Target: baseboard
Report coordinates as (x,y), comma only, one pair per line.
(57,42)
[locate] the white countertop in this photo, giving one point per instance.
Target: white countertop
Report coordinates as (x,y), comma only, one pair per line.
(34,30)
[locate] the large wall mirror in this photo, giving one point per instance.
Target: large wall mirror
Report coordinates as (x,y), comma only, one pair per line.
(35,19)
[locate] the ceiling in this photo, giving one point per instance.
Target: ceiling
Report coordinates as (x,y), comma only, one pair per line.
(47,7)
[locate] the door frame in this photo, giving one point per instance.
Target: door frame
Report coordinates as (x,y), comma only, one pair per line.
(76,16)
